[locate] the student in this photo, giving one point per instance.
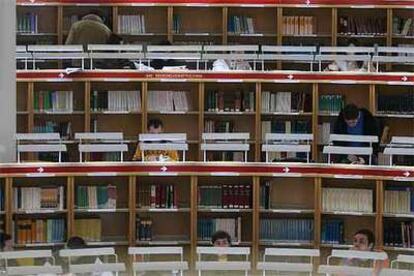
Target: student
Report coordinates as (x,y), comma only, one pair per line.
(90,30)
(221,239)
(356,121)
(155,126)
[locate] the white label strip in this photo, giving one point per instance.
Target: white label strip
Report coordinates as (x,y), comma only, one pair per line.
(405,179)
(117,80)
(287,174)
(351,176)
(40,175)
(349,213)
(173,80)
(103,174)
(101,210)
(400,83)
(163,210)
(343,82)
(229,80)
(162,173)
(224,174)
(222,210)
(40,211)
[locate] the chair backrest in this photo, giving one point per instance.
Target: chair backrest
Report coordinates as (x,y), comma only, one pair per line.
(57,52)
(395,272)
(356,254)
(179,52)
(24,254)
(100,136)
(345,53)
(220,265)
(353,138)
(291,53)
(39,142)
(230,52)
(163,141)
(287,142)
(400,145)
(402,258)
(221,141)
(401,55)
(111,51)
(345,270)
(34,270)
(101,142)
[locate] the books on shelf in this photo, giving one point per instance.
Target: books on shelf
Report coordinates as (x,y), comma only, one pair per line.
(299,25)
(219,101)
(38,198)
(399,234)
(240,24)
(116,101)
(225,196)
(96,197)
(158,196)
(27,23)
(324,131)
(63,128)
(131,24)
(399,200)
(53,101)
(395,104)
(286,230)
(332,231)
(218,126)
(286,102)
(144,229)
(176,24)
(347,200)
(206,227)
(30,231)
(331,103)
(403,26)
(168,101)
(264,201)
(90,229)
(362,25)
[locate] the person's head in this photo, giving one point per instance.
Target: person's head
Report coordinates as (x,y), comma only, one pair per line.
(351,115)
(93,17)
(221,239)
(76,243)
(363,240)
(155,126)
(6,242)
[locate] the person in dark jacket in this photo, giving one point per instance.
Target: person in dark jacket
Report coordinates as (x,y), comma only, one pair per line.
(357,121)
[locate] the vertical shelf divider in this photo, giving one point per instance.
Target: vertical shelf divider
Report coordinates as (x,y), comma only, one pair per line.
(258,123)
(379,214)
(8,206)
(201,93)
(132,200)
(193,221)
(255,222)
(70,205)
(315,111)
(334,27)
(224,25)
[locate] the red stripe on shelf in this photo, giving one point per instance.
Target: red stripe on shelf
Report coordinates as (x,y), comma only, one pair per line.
(213,76)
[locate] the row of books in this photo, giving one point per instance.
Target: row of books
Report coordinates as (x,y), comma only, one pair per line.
(240,24)
(225,196)
(29,231)
(299,25)
(90,229)
(239,101)
(286,230)
(116,101)
(158,196)
(131,24)
(53,101)
(324,132)
(362,25)
(176,24)
(264,197)
(166,101)
(206,227)
(332,231)
(218,126)
(27,23)
(399,200)
(286,102)
(64,128)
(403,26)
(331,103)
(144,229)
(347,200)
(399,234)
(38,198)
(96,197)
(395,104)
(287,126)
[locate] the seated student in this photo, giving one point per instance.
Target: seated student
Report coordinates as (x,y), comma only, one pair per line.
(356,121)
(155,126)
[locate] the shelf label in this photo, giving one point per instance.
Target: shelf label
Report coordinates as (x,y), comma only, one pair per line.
(224,174)
(163,209)
(350,176)
(40,175)
(173,80)
(117,80)
(102,174)
(101,210)
(350,213)
(229,80)
(343,82)
(406,179)
(162,174)
(222,210)
(287,174)
(40,211)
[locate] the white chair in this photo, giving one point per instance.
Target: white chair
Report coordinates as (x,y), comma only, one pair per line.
(345,270)
(400,145)
(302,54)
(175,52)
(225,142)
(48,267)
(23,56)
(329,54)
(394,55)
(39,142)
(230,52)
(332,149)
(286,142)
(401,258)
(163,141)
(220,265)
(396,272)
(96,267)
(290,267)
(57,52)
(90,142)
(144,266)
(110,51)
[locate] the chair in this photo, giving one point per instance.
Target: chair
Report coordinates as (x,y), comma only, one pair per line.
(277,142)
(394,55)
(396,272)
(293,267)
(23,56)
(329,54)
(163,141)
(302,54)
(109,51)
(146,266)
(401,258)
(48,267)
(101,142)
(223,266)
(400,145)
(225,142)
(175,52)
(96,267)
(39,142)
(57,52)
(331,149)
(231,52)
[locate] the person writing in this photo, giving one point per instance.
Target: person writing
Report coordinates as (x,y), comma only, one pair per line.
(356,121)
(155,126)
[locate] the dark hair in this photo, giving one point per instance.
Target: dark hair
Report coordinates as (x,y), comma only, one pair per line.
(368,233)
(220,234)
(350,112)
(76,243)
(155,123)
(3,238)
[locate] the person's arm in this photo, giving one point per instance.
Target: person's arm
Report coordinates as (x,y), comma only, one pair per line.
(137,155)
(71,36)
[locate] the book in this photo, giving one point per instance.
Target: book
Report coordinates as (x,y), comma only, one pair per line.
(38,198)
(225,196)
(286,230)
(332,231)
(299,25)
(206,227)
(32,231)
(115,101)
(347,200)
(90,229)
(96,197)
